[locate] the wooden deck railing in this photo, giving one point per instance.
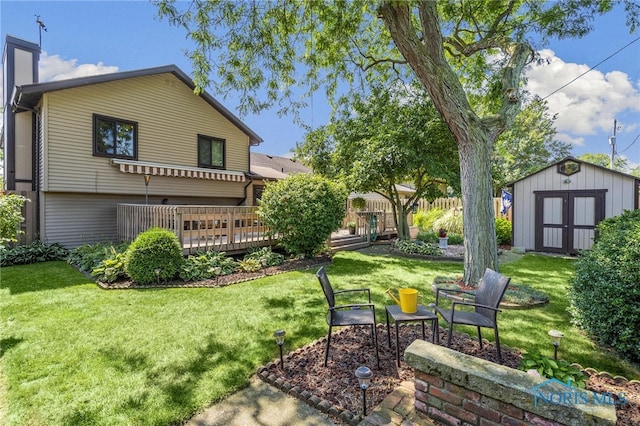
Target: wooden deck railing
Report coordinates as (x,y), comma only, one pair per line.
(198,228)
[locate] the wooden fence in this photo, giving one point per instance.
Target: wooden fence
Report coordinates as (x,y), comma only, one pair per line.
(383,205)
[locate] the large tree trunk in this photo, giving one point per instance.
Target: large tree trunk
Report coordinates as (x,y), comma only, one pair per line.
(474,138)
(480,244)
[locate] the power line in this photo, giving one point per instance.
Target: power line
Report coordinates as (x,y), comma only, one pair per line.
(593,67)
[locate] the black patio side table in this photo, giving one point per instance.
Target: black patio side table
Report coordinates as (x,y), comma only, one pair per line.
(422,314)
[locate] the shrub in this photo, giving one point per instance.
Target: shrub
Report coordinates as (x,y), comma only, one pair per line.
(503,231)
(455,239)
(358,203)
(303,210)
(203,266)
(432,237)
(88,256)
(553,369)
(427,237)
(605,290)
(265,256)
(249,265)
(416,247)
(35,252)
(110,269)
(154,249)
(10,217)
(424,219)
(450,220)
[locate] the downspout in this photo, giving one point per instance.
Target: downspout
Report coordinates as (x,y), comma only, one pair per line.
(245,190)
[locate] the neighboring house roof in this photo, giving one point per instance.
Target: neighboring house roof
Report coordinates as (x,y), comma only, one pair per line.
(27,96)
(402,189)
(274,167)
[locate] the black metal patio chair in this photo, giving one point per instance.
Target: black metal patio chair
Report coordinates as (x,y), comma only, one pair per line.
(347,315)
(487,298)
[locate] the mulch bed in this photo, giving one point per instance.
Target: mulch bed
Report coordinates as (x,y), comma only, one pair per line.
(334,389)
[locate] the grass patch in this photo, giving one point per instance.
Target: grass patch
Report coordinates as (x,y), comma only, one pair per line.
(71,353)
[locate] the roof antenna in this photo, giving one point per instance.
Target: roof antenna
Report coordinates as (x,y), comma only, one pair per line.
(41,26)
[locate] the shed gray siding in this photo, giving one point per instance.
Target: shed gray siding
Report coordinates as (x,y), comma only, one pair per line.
(621,193)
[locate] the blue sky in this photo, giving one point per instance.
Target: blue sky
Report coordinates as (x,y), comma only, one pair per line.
(89,37)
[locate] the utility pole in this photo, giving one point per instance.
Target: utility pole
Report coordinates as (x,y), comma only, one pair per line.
(612,142)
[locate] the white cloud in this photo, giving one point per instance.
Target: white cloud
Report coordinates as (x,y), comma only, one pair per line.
(589,104)
(53,68)
(567,138)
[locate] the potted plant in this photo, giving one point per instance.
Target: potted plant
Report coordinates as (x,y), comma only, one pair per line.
(444,240)
(352,228)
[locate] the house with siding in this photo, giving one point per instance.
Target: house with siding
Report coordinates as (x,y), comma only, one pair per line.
(79,147)
(556,209)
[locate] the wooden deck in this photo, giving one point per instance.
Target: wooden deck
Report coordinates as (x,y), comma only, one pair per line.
(199,228)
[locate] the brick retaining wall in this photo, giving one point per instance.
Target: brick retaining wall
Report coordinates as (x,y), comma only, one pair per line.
(458,389)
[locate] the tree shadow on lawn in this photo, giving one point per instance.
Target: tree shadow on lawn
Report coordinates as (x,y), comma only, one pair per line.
(178,385)
(8,343)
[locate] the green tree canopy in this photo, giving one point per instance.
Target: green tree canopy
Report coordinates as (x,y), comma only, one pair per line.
(468,55)
(604,160)
(390,137)
(527,146)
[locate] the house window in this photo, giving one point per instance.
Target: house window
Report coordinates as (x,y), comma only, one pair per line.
(113,137)
(210,152)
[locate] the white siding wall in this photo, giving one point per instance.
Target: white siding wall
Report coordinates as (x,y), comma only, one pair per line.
(169,118)
(620,196)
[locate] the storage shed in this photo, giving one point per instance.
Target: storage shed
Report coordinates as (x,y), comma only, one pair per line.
(557,208)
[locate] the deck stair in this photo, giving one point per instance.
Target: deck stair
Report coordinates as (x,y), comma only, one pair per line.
(348,242)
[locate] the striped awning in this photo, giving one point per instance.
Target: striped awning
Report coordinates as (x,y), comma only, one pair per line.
(154,169)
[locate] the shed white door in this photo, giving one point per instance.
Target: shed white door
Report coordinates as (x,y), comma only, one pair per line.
(566,220)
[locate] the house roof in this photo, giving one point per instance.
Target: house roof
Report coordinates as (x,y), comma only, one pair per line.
(274,167)
(577,161)
(27,96)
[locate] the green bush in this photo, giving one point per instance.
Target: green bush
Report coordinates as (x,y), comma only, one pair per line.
(35,252)
(88,256)
(358,203)
(553,369)
(154,249)
(203,266)
(303,210)
(249,265)
(605,291)
(112,268)
(10,217)
(416,247)
(503,231)
(265,256)
(424,219)
(451,220)
(432,237)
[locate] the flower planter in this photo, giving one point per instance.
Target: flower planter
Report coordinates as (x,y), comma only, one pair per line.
(444,242)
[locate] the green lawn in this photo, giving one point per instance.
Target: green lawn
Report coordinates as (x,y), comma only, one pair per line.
(71,353)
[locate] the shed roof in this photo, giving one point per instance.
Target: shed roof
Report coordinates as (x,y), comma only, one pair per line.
(27,96)
(569,158)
